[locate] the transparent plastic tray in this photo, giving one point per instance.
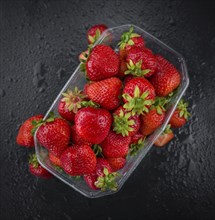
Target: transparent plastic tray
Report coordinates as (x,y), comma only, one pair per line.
(111,37)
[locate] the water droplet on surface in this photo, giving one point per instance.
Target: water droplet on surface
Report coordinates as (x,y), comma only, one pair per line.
(172,21)
(60,73)
(2,92)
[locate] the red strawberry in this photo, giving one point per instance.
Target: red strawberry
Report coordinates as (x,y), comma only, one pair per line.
(93,124)
(129,40)
(122,69)
(105,92)
(54,134)
(115,145)
(54,159)
(124,123)
(151,121)
(135,138)
(138,95)
(94,32)
(78,160)
(154,118)
(166,79)
(165,137)
(103,62)
(76,139)
(36,169)
(70,103)
(180,115)
(117,163)
(141,62)
(25,135)
(103,178)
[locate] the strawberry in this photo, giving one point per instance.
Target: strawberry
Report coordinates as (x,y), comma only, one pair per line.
(180,115)
(141,62)
(166,79)
(117,163)
(36,169)
(105,92)
(25,135)
(93,124)
(94,32)
(135,138)
(103,178)
(54,134)
(154,118)
(122,68)
(165,137)
(103,62)
(54,159)
(70,103)
(138,95)
(115,145)
(125,123)
(76,139)
(128,41)
(78,160)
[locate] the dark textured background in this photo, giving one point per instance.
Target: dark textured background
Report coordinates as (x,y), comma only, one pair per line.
(39,44)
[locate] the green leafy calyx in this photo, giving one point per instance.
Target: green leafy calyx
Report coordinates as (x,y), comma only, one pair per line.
(159,104)
(134,148)
(122,124)
(33,160)
(182,107)
(90,103)
(136,69)
(126,38)
(97,150)
(138,104)
(73,99)
(107,181)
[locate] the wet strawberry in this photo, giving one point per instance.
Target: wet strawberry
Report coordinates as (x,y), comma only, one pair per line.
(115,145)
(117,163)
(103,62)
(105,92)
(94,32)
(92,124)
(78,160)
(25,134)
(166,79)
(36,169)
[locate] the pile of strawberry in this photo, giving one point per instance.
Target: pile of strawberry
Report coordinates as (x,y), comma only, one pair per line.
(123,102)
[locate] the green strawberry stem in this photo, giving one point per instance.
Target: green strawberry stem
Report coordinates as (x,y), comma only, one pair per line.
(108,181)
(97,150)
(167,130)
(33,160)
(37,124)
(90,103)
(95,38)
(73,99)
(182,107)
(159,104)
(137,104)
(134,148)
(126,38)
(122,124)
(136,69)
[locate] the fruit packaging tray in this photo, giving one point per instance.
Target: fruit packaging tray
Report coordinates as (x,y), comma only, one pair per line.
(111,37)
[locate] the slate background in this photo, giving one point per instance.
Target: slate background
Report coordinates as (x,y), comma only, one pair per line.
(39,44)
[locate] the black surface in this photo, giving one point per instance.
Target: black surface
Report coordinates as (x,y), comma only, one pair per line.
(39,44)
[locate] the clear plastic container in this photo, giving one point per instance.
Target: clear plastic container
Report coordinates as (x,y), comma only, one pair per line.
(111,37)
